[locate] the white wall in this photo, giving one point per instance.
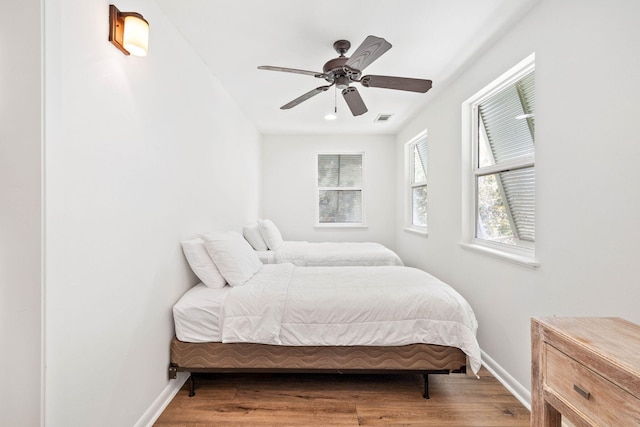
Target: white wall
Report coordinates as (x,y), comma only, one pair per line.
(587,152)
(289,189)
(140,153)
(20,213)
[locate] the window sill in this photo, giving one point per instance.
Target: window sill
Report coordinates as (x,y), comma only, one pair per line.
(515,258)
(417,231)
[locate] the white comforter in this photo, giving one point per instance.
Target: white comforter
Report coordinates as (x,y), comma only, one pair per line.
(335,254)
(386,306)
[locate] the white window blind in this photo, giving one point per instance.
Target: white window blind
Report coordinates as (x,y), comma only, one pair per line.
(509,122)
(340,188)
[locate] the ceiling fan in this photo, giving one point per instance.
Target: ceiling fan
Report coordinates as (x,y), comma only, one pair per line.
(342,71)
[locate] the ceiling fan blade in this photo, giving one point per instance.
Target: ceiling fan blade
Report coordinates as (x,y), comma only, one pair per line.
(292,70)
(371,49)
(399,83)
(354,101)
(304,97)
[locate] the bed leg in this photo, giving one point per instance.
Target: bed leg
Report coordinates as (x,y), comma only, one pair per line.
(426,379)
(192,386)
(426,386)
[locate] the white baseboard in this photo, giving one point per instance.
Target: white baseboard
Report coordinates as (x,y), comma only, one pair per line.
(518,390)
(162,401)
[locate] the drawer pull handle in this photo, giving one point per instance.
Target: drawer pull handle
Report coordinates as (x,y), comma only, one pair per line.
(581,392)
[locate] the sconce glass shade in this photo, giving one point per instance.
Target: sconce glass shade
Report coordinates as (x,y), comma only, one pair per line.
(136,35)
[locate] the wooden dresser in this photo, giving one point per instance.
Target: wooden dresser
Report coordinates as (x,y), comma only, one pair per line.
(586,369)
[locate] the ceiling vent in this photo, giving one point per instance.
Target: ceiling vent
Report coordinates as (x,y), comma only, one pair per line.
(382,118)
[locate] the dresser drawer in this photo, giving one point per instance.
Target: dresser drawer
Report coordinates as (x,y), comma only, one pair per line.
(596,398)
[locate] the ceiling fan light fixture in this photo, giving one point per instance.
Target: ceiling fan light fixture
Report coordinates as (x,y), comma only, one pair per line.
(330,116)
(342,82)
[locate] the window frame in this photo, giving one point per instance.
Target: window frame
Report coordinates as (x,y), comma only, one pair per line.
(361,224)
(410,184)
(522,254)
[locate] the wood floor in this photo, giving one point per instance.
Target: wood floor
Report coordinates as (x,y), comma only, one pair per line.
(344,400)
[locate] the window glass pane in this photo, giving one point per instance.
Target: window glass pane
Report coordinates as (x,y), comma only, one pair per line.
(339,170)
(419,203)
(493,218)
(340,206)
(506,206)
(420,161)
(328,170)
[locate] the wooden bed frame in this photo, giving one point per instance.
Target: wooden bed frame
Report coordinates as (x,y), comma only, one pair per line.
(213,357)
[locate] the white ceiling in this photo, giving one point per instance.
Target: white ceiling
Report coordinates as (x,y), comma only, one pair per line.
(432,39)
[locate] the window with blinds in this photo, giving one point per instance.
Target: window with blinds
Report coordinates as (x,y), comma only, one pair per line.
(417,168)
(340,189)
(504,169)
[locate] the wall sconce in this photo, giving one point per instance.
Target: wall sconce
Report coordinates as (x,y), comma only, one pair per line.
(128,31)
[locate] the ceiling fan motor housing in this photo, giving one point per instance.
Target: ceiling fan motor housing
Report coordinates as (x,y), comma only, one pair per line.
(334,68)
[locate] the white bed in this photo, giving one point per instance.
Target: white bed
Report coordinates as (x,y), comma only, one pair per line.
(247,316)
(287,305)
(325,254)
(266,239)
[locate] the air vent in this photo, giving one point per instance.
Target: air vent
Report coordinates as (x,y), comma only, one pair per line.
(382,118)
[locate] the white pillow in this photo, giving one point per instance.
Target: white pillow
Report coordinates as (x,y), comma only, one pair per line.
(252,234)
(233,255)
(202,264)
(270,234)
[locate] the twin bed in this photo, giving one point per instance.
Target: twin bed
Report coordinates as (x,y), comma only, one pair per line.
(325,254)
(271,248)
(348,319)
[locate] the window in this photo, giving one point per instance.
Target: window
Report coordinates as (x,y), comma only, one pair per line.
(340,189)
(502,164)
(416,151)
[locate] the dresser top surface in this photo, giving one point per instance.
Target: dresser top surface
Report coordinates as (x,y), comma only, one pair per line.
(612,338)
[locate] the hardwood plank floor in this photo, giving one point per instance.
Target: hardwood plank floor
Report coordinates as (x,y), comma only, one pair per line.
(344,400)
